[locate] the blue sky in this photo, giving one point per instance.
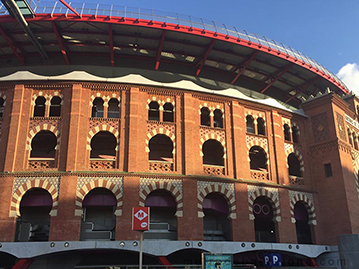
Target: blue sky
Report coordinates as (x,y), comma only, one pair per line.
(327,31)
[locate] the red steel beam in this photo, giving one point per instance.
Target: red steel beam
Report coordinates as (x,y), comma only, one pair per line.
(244,65)
(160,47)
(61,44)
(302,88)
(281,73)
(69,7)
(112,49)
(8,41)
(203,60)
(23,264)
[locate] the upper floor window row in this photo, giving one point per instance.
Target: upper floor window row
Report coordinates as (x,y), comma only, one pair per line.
(211,119)
(158,113)
(40,109)
(108,110)
(255,126)
(291,134)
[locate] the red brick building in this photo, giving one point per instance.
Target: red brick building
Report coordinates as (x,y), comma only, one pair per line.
(238,146)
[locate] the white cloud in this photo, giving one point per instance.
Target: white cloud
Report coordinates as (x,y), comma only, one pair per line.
(349,74)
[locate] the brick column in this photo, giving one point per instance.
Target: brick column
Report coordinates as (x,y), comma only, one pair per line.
(190,126)
(240,151)
(77,154)
(277,158)
(242,223)
(15,159)
(229,145)
(179,146)
(286,232)
(190,226)
(131,198)
(136,118)
(66,226)
(7,224)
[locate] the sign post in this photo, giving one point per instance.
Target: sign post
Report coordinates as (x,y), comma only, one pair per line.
(140,222)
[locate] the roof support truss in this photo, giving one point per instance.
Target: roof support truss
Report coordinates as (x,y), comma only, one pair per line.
(61,43)
(159,51)
(112,49)
(278,76)
(200,64)
(303,87)
(244,64)
(8,41)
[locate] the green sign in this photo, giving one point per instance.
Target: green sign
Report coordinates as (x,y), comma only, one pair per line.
(217,261)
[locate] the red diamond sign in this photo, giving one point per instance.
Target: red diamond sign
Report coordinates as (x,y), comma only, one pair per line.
(140,218)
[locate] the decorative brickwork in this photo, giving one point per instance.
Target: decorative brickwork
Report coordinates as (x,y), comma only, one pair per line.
(253,140)
(212,106)
(94,122)
(158,166)
(296,180)
(101,126)
(307,200)
(271,193)
(46,125)
(289,149)
(214,170)
(102,164)
(41,164)
(86,184)
(227,189)
(355,158)
(259,175)
(320,127)
(212,134)
(255,114)
(154,128)
(106,97)
(47,94)
(23,184)
(161,100)
(341,128)
(148,185)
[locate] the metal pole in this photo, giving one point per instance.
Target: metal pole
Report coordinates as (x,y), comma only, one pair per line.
(141,240)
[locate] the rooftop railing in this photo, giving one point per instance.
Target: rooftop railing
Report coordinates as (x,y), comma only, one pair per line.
(50,7)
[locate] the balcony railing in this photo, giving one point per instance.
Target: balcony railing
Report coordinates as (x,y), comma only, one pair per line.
(160,166)
(259,175)
(215,170)
(41,163)
(102,164)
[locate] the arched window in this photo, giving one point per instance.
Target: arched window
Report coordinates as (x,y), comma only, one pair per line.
(258,158)
(205,119)
(163,221)
(39,109)
(295,134)
(161,148)
(304,234)
(264,226)
(286,132)
(34,221)
(97,108)
(2,101)
(55,107)
(154,111)
(168,112)
(216,224)
(103,146)
(261,126)
(98,219)
(294,165)
(213,153)
(250,124)
(43,145)
(113,109)
(218,118)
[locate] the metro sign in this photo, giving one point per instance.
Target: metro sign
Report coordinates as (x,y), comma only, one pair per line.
(140,218)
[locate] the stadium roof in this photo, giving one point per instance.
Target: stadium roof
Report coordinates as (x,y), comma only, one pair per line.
(118,36)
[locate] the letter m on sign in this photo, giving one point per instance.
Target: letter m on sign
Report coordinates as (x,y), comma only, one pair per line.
(140,218)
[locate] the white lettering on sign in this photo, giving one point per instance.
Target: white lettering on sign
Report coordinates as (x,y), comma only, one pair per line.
(140,214)
(351,121)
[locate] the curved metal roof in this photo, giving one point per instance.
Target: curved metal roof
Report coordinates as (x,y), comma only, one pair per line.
(145,39)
